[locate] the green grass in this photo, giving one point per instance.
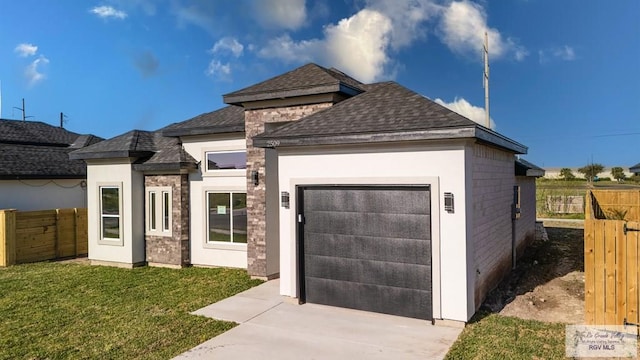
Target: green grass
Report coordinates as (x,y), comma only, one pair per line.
(75,311)
(500,337)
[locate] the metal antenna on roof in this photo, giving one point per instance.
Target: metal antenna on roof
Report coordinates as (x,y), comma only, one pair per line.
(486,80)
(24,117)
(62,116)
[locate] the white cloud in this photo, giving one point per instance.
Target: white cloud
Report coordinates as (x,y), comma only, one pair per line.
(228,44)
(565,53)
(407,17)
(357,45)
(33,71)
(200,14)
(219,70)
(464,108)
(26,49)
(281,14)
(462,28)
(107,12)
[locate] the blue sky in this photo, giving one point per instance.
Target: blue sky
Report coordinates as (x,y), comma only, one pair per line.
(565,75)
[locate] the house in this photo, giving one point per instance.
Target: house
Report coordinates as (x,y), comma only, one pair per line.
(367,196)
(35,170)
(554,172)
(634,170)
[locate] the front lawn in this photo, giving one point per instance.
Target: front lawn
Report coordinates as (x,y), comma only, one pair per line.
(58,311)
(502,337)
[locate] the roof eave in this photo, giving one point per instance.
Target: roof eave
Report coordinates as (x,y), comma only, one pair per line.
(433,134)
(109,154)
(239,99)
(173,166)
(480,133)
(208,130)
(44,177)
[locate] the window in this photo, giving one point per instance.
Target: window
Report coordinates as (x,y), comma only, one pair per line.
(110,214)
(227,217)
(159,211)
(226,160)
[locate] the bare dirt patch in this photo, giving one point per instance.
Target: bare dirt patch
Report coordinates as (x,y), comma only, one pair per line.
(548,282)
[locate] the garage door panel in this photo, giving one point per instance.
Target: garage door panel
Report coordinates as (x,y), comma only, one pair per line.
(368,248)
(382,299)
(369,224)
(384,273)
(413,251)
(375,200)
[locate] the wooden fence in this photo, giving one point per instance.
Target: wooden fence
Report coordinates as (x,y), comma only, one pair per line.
(611,250)
(30,236)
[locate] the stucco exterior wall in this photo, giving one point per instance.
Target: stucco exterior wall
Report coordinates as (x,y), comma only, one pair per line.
(440,166)
(201,252)
(28,195)
(492,180)
(117,172)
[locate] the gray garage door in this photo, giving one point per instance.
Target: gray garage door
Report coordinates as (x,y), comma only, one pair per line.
(367,248)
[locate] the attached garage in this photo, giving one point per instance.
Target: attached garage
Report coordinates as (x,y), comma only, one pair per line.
(366,248)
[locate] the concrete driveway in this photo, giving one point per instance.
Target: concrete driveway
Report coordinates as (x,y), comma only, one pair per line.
(274,328)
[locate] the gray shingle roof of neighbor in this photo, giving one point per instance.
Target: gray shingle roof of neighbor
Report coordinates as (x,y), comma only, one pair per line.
(635,168)
(386,112)
(225,120)
(36,150)
(310,79)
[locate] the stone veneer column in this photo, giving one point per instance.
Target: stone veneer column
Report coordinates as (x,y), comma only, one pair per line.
(171,250)
(255,120)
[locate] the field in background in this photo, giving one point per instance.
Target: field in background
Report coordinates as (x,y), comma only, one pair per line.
(558,188)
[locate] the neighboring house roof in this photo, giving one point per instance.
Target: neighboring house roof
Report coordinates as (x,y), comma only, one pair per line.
(36,150)
(386,112)
(225,120)
(525,168)
(153,150)
(310,79)
(635,168)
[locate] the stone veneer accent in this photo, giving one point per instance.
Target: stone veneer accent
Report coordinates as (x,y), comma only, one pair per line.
(255,120)
(171,250)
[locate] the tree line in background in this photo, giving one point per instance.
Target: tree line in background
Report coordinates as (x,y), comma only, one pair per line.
(591,172)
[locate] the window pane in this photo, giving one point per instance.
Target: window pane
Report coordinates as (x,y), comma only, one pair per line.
(227,160)
(239,218)
(165,211)
(110,200)
(219,217)
(152,211)
(110,227)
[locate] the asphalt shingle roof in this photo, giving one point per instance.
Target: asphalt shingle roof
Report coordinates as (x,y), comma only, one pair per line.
(227,119)
(36,150)
(386,112)
(310,79)
(635,168)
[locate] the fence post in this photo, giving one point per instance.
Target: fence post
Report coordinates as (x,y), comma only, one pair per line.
(75,231)
(7,237)
(57,239)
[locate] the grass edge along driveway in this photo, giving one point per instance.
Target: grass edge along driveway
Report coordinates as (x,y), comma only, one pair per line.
(70,310)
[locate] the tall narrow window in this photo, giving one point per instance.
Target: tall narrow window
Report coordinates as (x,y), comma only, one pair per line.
(166,211)
(227,217)
(110,212)
(159,211)
(152,211)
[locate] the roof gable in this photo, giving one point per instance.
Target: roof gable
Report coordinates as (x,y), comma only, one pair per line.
(310,79)
(135,143)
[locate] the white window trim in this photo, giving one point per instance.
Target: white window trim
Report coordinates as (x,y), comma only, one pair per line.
(107,241)
(159,192)
(220,173)
(221,245)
